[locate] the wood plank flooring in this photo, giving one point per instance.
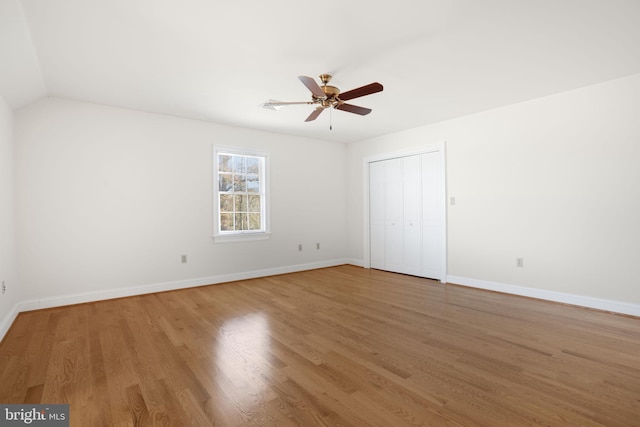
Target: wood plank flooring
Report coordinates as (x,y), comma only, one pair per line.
(341,346)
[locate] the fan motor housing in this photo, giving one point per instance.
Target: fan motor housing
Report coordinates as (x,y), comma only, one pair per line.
(330,91)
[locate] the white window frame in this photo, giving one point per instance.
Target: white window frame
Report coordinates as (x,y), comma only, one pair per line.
(241,235)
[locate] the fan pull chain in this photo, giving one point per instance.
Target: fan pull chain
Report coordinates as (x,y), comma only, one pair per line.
(331,118)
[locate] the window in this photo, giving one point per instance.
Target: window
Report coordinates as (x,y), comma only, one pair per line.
(240,193)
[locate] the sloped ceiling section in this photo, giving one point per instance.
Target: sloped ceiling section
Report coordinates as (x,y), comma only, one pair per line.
(218,61)
(21,79)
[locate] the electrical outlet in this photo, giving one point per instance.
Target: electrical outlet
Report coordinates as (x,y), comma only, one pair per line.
(520,262)
(317,245)
(4,287)
(299,248)
(183,259)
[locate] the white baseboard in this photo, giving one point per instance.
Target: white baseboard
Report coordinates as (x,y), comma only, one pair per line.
(572,299)
(7,321)
(79,298)
(353,261)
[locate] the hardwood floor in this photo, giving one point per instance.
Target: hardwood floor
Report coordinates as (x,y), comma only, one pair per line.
(341,346)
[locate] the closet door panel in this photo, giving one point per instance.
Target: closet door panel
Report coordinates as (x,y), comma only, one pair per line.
(393,235)
(412,230)
(432,216)
(377,214)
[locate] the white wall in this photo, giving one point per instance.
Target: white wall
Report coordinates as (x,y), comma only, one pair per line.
(8,269)
(555,180)
(110,198)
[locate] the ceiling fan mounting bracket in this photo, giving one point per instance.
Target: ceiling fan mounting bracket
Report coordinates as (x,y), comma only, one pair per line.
(325,78)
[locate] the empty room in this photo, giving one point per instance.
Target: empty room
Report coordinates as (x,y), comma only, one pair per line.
(298,213)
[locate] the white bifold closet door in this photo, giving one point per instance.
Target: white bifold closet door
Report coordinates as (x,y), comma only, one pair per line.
(406,208)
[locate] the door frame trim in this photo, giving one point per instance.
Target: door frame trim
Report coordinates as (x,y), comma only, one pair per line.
(439,148)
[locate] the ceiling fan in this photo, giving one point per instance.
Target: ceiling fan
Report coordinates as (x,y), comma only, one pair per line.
(327,96)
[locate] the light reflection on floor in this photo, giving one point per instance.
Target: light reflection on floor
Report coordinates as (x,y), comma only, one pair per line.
(242,354)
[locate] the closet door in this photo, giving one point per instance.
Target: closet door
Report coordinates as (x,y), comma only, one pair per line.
(406,215)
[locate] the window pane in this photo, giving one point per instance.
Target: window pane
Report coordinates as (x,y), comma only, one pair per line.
(253,184)
(225,182)
(241,202)
(241,221)
(253,165)
(225,163)
(254,221)
(226,203)
(240,183)
(254,203)
(226,222)
(239,164)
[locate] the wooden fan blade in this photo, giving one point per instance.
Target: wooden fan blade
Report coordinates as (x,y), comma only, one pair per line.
(353,109)
(361,91)
(313,87)
(274,103)
(314,114)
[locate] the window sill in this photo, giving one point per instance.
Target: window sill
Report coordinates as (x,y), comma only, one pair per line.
(240,237)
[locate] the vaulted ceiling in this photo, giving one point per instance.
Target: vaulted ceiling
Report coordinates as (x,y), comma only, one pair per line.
(218,61)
